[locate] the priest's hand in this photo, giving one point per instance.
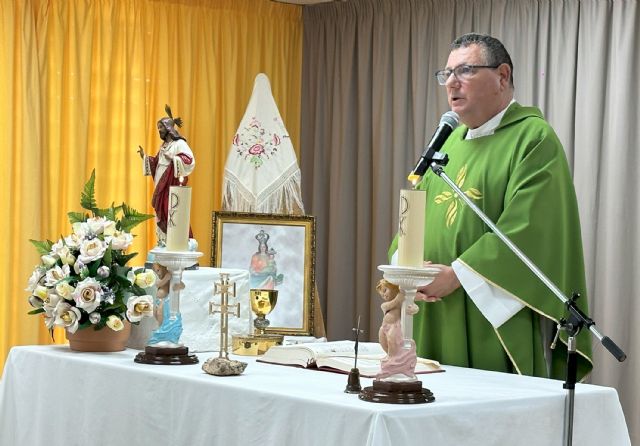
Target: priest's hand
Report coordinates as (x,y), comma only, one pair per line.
(141,152)
(445,283)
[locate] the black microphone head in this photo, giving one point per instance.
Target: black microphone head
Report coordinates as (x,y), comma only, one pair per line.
(450,118)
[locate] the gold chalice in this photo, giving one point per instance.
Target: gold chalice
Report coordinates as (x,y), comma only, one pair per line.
(263,302)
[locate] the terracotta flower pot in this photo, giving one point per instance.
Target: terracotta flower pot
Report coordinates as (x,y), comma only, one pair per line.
(104,340)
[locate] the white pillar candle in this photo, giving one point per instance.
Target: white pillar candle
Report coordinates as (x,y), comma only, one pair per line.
(411,228)
(178,220)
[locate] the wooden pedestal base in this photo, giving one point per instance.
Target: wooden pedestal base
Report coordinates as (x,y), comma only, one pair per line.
(397,393)
(166,356)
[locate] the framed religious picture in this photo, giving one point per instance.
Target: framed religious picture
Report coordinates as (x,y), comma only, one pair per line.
(279,252)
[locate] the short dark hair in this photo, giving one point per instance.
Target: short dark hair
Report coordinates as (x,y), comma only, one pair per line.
(494,50)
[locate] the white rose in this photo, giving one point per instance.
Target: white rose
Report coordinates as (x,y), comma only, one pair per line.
(131,276)
(48,260)
(50,304)
(49,320)
(56,274)
(65,255)
(104,271)
(67,316)
(36,275)
(91,250)
(109,228)
(57,246)
(115,323)
(65,290)
(96,224)
(73,241)
(78,266)
(120,240)
(49,307)
(88,294)
(35,302)
(94,318)
(41,292)
(80,229)
(145,279)
(139,307)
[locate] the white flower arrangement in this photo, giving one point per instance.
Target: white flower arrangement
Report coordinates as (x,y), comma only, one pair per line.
(82,280)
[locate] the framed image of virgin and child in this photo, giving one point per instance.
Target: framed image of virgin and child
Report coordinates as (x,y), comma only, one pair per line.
(279,252)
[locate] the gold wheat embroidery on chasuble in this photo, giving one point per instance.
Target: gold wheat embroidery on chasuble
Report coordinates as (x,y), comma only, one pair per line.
(453,199)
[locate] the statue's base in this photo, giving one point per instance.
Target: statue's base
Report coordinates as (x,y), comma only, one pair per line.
(255,345)
(166,356)
(397,393)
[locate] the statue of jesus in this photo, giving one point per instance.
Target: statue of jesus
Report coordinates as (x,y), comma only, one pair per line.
(170,167)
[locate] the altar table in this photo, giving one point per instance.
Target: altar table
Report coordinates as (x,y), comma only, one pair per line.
(50,395)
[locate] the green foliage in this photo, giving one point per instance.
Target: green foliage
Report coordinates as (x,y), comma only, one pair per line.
(93,267)
(43,246)
(132,218)
(88,195)
(107,257)
(76,217)
(122,259)
(137,291)
(110,213)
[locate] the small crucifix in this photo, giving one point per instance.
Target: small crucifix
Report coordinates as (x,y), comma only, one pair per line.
(353,380)
(224,289)
(357,331)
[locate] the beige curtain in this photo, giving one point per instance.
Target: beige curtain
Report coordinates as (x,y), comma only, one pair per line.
(370,102)
(82,84)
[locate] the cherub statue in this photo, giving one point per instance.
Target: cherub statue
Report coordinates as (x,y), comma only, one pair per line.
(162,284)
(400,361)
(169,331)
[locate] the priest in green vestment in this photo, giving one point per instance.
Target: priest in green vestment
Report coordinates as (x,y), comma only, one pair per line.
(485,309)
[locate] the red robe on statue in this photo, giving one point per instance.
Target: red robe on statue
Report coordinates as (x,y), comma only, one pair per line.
(160,199)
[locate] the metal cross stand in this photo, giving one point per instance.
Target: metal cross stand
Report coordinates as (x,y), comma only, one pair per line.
(224,289)
(576,319)
(353,381)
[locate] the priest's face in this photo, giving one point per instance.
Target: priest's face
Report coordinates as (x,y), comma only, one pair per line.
(479,93)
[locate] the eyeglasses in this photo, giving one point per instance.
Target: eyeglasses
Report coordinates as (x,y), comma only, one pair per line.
(461,72)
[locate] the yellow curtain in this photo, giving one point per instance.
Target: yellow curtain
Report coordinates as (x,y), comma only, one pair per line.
(82,85)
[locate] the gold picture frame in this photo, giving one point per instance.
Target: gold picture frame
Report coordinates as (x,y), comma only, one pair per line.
(279,251)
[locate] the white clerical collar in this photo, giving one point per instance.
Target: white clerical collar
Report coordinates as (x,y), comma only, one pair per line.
(488,127)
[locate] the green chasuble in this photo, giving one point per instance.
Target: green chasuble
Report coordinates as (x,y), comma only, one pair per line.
(519,177)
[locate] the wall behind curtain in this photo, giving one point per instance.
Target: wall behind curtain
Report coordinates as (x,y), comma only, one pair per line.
(370,102)
(82,85)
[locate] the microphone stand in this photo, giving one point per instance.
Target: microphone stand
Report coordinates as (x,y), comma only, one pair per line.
(572,324)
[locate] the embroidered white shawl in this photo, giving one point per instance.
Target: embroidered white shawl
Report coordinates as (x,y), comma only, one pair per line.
(262,173)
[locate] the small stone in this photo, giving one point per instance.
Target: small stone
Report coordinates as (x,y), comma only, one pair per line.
(223,367)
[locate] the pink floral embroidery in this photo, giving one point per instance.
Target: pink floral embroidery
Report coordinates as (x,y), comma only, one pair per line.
(255,144)
(256,149)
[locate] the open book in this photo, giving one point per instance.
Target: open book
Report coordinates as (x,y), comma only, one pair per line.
(338,356)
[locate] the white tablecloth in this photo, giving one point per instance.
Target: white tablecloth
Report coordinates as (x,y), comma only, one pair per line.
(50,395)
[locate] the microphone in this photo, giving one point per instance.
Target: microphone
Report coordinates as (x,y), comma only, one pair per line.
(448,122)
